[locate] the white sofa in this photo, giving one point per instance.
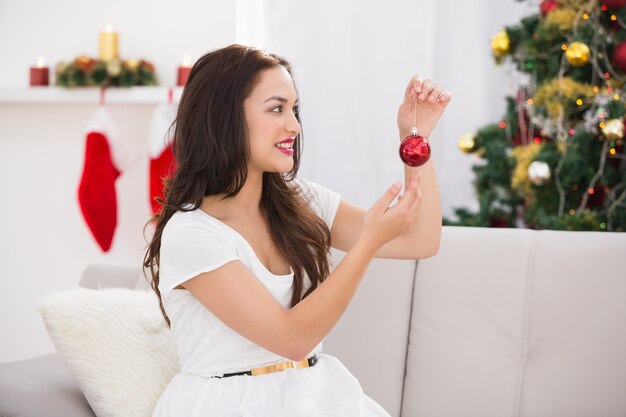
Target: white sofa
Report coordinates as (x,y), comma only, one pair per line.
(501,322)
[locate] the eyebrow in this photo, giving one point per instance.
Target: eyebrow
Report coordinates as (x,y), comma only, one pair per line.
(281,99)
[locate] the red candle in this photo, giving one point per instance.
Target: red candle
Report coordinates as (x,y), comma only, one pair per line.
(40,74)
(183,71)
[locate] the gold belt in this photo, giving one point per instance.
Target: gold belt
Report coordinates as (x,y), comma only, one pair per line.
(304,363)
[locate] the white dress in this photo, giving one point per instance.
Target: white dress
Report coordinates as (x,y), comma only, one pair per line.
(195,242)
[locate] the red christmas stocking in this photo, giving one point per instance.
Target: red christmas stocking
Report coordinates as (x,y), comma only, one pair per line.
(106,157)
(162,163)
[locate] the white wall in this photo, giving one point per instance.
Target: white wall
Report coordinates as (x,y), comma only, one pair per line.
(44,242)
(352,61)
(160,31)
(463,62)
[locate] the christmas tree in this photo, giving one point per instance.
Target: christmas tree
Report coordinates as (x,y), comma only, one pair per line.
(556,159)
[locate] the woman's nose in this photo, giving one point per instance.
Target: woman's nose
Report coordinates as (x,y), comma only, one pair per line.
(293,125)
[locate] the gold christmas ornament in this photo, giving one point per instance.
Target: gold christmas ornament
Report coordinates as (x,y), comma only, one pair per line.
(500,44)
(467,143)
(577,54)
(133,64)
(613,129)
(539,172)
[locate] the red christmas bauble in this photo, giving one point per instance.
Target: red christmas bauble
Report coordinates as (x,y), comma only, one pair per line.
(598,197)
(498,222)
(619,56)
(547,6)
(414,151)
(614,4)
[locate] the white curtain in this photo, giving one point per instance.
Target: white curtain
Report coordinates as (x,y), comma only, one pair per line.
(352,61)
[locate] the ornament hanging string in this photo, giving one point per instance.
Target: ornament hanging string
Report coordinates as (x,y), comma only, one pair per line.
(414,149)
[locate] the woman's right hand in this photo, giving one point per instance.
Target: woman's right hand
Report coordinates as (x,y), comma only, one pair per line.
(383,223)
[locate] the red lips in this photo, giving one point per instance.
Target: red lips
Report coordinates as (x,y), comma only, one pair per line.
(288,140)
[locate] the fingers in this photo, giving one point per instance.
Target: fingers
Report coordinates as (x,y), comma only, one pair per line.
(411,191)
(434,94)
(416,202)
(426,90)
(416,178)
(414,87)
(383,202)
(445,97)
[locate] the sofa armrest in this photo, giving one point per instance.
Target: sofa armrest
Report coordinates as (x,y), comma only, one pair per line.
(43,386)
(111,276)
(40,386)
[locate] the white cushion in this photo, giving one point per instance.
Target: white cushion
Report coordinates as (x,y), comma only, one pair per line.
(116,344)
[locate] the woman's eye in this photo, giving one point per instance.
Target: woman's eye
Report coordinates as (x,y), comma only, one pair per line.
(295,109)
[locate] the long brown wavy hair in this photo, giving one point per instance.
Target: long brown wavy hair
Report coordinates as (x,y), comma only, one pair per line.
(211,150)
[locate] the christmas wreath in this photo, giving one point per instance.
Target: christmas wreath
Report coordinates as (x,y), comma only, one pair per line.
(85,71)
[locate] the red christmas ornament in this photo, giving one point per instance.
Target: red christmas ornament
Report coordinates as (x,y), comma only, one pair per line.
(597,198)
(498,222)
(614,4)
(547,6)
(414,149)
(619,56)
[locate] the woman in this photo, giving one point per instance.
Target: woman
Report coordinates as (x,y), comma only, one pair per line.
(239,257)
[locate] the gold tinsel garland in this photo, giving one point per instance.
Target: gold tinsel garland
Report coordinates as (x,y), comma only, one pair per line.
(525,155)
(552,93)
(574,4)
(563,18)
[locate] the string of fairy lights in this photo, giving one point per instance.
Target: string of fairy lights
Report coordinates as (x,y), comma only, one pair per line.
(553,107)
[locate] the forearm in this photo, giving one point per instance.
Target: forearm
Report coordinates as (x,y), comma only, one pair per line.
(428,220)
(423,104)
(313,318)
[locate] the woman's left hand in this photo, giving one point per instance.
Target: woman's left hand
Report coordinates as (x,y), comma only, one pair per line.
(431,103)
